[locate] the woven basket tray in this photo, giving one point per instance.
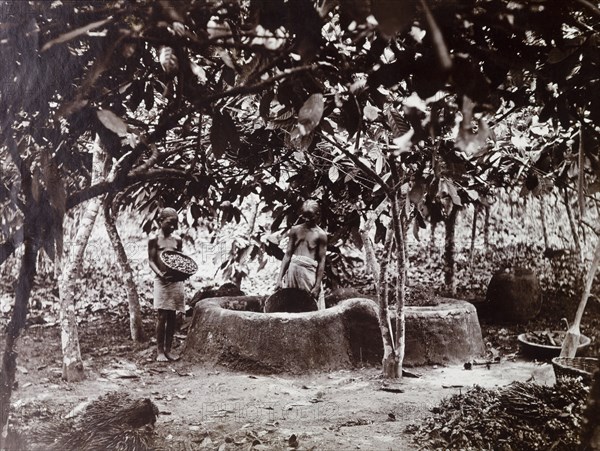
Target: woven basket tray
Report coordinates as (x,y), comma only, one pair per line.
(582,367)
(178,273)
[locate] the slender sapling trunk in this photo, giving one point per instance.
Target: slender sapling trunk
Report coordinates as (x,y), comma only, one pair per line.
(486,228)
(133,299)
(68,274)
(544,226)
(473,236)
(449,248)
(572,225)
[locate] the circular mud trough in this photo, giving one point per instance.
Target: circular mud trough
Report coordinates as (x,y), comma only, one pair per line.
(445,333)
(233,332)
(290,300)
(224,332)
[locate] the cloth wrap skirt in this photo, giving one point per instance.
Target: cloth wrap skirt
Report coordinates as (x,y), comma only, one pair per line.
(302,274)
(168,295)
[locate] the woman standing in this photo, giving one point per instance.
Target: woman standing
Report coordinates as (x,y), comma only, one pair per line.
(168,293)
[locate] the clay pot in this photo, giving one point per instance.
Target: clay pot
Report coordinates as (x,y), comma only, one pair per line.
(514,295)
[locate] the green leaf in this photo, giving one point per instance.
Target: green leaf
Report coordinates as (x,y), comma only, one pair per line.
(379,164)
(326,127)
(356,238)
(299,156)
(333,174)
(447,187)
(593,188)
(417,192)
(113,122)
(226,58)
(310,114)
(397,123)
(556,55)
(370,112)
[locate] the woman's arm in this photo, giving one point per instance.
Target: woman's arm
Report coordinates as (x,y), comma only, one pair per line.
(285,263)
(321,253)
(153,258)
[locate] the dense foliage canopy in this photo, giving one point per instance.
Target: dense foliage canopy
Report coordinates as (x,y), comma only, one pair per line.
(204,102)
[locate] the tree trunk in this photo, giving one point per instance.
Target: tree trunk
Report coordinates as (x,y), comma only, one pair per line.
(370,258)
(486,228)
(399,222)
(432,237)
(392,365)
(16,324)
(390,357)
(590,431)
(68,275)
(573,226)
(391,368)
(449,278)
(473,236)
(544,226)
(253,216)
(241,270)
(133,299)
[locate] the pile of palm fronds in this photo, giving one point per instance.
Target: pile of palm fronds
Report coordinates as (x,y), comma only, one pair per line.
(114,421)
(521,416)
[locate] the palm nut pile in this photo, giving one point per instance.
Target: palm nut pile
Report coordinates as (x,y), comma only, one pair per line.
(519,417)
(179,262)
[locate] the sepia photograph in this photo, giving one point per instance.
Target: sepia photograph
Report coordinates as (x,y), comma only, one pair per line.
(299,225)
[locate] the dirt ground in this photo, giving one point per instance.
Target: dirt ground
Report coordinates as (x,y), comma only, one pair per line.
(214,408)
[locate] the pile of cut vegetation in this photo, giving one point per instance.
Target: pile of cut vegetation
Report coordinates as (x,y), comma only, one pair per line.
(521,416)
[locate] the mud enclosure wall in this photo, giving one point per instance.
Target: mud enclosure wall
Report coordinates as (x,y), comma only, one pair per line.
(232,331)
(446,333)
(341,337)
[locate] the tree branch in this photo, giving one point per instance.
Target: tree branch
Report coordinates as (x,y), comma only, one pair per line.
(363,167)
(590,7)
(242,90)
(118,184)
(144,167)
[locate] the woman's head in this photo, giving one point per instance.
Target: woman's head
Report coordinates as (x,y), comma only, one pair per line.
(310,210)
(168,220)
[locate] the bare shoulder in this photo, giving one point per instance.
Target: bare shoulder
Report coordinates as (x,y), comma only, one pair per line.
(322,233)
(152,239)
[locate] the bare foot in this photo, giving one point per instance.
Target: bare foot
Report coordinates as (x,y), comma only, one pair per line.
(172,357)
(161,357)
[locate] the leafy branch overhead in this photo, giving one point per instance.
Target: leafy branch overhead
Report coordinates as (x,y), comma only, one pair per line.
(394,75)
